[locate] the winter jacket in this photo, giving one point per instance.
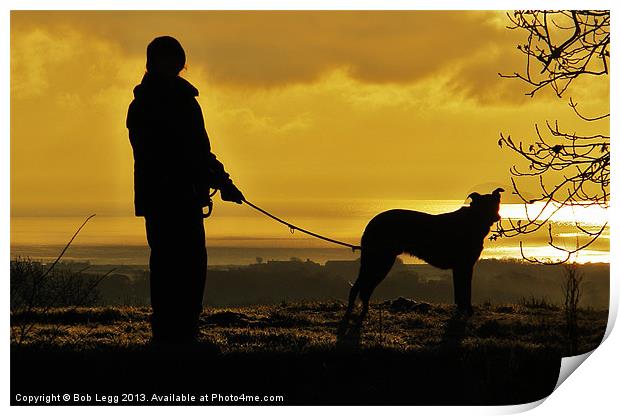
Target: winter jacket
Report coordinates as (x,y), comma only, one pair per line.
(173,164)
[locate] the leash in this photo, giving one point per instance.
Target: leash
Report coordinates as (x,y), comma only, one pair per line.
(293,227)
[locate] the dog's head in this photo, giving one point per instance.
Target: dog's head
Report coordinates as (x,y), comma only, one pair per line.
(487,206)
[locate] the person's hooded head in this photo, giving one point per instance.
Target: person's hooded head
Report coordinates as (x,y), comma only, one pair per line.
(165,56)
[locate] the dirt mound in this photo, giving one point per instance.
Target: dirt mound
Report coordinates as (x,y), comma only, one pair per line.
(402,304)
(227,318)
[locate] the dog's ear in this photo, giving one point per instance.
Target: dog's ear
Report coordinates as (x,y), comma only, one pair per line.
(474,196)
(497,191)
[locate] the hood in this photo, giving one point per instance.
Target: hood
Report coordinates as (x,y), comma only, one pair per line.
(164,86)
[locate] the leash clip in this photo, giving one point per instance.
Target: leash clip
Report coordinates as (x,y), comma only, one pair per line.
(209,209)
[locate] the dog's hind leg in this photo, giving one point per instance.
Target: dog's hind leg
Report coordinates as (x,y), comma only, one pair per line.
(353,295)
(374,268)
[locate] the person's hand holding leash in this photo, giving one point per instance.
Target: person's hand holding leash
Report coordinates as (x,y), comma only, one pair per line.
(231,193)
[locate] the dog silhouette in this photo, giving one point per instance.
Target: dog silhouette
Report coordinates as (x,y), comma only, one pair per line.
(453,240)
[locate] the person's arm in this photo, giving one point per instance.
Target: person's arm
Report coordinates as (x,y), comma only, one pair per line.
(211,168)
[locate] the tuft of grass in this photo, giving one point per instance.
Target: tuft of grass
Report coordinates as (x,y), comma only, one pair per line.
(286,319)
(81,315)
(533,302)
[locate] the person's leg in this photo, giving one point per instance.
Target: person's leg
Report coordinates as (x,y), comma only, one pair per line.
(192,282)
(161,282)
(178,266)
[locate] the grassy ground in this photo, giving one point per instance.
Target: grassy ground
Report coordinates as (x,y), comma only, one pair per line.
(403,354)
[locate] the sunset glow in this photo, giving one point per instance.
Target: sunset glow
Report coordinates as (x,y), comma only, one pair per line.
(325,118)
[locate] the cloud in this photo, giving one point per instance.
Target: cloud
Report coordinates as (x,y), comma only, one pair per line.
(298,105)
(31,53)
(69,96)
(265,49)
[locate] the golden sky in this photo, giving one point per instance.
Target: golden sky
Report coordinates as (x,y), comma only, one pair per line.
(300,106)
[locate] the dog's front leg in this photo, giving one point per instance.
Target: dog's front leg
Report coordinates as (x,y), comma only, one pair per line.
(457,286)
(461,278)
(468,274)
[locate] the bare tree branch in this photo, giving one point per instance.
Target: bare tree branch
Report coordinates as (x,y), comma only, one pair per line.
(572,169)
(584,47)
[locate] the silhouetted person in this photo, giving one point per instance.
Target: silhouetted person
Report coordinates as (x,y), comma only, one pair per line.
(173,171)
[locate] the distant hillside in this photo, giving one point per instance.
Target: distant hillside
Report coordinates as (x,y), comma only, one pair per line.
(272,282)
